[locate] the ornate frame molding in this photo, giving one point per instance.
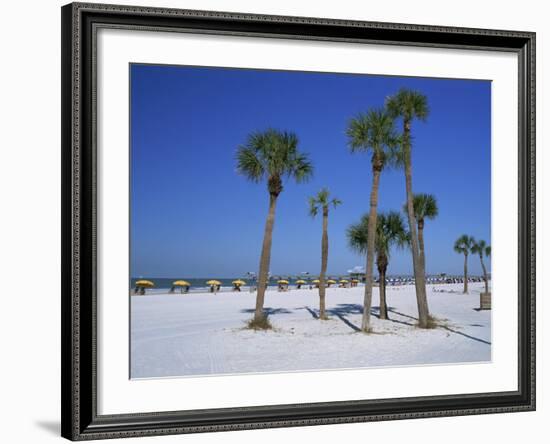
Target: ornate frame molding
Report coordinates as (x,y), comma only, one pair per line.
(79,394)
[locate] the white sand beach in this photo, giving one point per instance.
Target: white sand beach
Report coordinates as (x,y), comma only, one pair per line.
(204,334)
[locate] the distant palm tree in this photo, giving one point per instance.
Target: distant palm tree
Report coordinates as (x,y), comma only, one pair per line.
(410,105)
(390,231)
(271,155)
(481,248)
(374,133)
(425,207)
(463,245)
(322,201)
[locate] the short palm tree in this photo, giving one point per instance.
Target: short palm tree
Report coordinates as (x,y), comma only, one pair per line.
(409,105)
(481,248)
(463,245)
(272,156)
(322,202)
(373,133)
(425,207)
(390,232)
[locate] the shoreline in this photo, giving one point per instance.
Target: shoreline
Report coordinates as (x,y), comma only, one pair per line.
(246,289)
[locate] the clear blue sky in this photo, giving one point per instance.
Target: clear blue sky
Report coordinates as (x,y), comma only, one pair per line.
(192,215)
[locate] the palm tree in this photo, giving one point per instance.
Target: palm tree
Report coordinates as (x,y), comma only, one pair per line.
(425,207)
(390,231)
(271,155)
(481,248)
(322,201)
(373,132)
(410,105)
(463,245)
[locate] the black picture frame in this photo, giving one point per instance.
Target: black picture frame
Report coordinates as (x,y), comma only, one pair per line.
(80,420)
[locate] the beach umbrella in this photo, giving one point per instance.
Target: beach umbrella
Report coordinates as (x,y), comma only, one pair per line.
(181,284)
(145,284)
(331,281)
(184,286)
(282,281)
(237,284)
(214,285)
(301,282)
(315,281)
(355,281)
(141,285)
(344,281)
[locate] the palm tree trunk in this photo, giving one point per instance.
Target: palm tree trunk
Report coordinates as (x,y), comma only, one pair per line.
(485,277)
(324,260)
(371,237)
(465,273)
(265,258)
(383,306)
(421,243)
(418,268)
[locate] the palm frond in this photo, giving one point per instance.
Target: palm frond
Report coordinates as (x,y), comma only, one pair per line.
(249,164)
(273,153)
(408,104)
(357,236)
(478,247)
(313,208)
(464,244)
(321,200)
(390,232)
(424,205)
(300,168)
(374,131)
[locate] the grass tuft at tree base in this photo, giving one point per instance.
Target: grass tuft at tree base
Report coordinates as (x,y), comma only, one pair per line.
(433,322)
(259,324)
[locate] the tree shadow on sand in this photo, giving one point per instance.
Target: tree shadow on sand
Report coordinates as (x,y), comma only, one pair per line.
(343,310)
(444,327)
(268,311)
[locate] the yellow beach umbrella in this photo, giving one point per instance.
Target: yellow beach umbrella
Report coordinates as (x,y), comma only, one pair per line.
(301,282)
(213,282)
(331,281)
(344,281)
(355,281)
(181,284)
(239,282)
(144,283)
(316,281)
(282,281)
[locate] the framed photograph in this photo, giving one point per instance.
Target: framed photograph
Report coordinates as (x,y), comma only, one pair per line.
(283,221)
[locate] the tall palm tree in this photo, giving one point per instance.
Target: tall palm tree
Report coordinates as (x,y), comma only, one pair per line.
(410,105)
(374,133)
(272,156)
(463,245)
(390,231)
(481,248)
(322,201)
(425,207)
